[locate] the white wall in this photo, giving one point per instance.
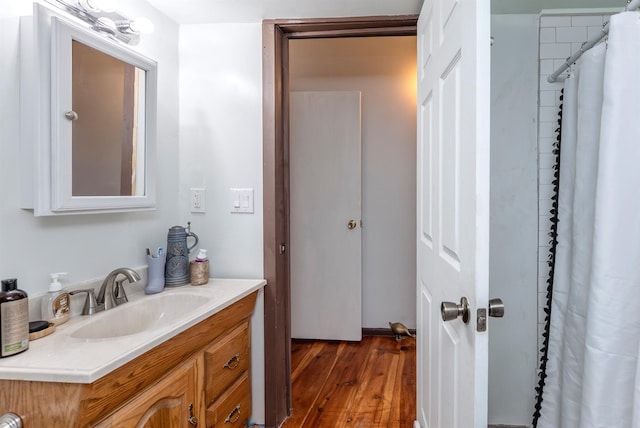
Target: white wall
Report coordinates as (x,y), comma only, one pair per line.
(514,218)
(86,246)
(221,147)
(221,140)
(384,70)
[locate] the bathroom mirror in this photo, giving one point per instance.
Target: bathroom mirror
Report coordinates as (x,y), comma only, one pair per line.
(95,149)
(107,124)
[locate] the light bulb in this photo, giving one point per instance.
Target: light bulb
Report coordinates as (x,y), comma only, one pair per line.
(142,25)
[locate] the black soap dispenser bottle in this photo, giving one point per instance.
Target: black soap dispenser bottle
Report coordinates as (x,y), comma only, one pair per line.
(14,319)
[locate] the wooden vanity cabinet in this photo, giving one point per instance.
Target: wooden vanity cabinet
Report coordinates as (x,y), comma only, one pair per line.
(204,373)
(227,381)
(166,404)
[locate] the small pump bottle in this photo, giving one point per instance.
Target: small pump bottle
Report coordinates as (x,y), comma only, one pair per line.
(55,304)
(14,319)
(202,255)
(199,269)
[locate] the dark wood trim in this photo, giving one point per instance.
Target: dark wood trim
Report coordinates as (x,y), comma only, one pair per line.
(377,332)
(360,32)
(275,64)
(382,332)
(347,26)
(276,305)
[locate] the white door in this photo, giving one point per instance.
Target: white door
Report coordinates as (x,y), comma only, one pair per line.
(325,200)
(453,210)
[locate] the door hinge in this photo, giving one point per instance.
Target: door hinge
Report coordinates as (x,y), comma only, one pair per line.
(282,248)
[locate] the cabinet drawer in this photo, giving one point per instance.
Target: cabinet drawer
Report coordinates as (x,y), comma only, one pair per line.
(225,361)
(233,409)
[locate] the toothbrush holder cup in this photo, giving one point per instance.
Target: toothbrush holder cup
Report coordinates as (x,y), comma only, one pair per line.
(155,282)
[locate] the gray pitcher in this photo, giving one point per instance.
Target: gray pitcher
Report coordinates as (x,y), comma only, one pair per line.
(177,264)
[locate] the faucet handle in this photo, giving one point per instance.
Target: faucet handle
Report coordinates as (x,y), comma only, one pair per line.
(118,293)
(90,303)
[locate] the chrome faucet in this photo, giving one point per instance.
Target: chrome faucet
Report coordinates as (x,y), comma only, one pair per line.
(111,292)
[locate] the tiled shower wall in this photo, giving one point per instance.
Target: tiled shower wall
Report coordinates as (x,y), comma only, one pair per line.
(561,35)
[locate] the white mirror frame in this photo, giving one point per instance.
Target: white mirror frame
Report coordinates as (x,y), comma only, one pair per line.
(62,36)
(46,135)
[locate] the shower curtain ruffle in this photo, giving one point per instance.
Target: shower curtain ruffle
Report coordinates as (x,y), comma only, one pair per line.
(553,245)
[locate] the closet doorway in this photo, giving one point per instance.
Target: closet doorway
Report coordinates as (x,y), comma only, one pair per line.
(276,36)
(352,182)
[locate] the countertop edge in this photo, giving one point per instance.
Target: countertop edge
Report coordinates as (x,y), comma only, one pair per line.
(9,370)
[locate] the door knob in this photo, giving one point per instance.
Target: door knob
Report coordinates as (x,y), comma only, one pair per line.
(451,311)
(352,224)
(496,308)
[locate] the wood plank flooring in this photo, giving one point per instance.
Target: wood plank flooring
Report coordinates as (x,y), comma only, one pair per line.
(368,384)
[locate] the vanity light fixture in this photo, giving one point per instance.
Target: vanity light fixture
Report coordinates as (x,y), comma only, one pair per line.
(102,17)
(95,6)
(105,25)
(140,25)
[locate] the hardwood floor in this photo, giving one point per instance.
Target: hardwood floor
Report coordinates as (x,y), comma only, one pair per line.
(368,384)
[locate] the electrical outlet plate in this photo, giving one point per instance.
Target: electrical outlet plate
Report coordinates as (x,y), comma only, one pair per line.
(197,200)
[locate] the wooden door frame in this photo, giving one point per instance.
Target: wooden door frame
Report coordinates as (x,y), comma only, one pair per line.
(275,85)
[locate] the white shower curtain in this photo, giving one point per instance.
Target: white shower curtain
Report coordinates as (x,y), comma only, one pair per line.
(593,368)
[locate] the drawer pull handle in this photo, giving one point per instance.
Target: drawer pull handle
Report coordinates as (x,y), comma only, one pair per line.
(234,415)
(233,362)
(192,419)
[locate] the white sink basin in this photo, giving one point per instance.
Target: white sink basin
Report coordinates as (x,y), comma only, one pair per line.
(135,317)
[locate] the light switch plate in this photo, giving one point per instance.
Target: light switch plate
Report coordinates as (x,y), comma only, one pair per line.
(241,200)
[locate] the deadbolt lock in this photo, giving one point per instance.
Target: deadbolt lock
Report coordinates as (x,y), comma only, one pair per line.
(352,224)
(451,311)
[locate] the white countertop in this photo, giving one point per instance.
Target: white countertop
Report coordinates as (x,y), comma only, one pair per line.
(62,358)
